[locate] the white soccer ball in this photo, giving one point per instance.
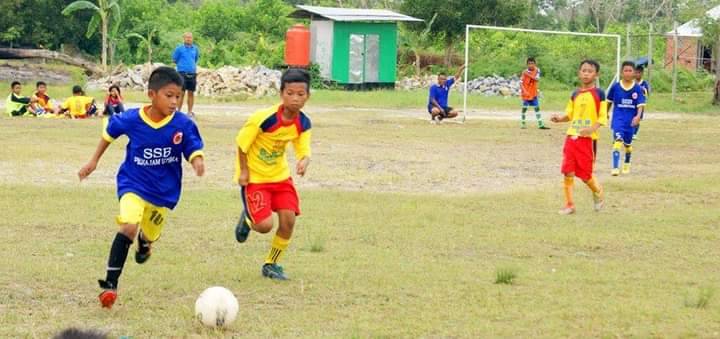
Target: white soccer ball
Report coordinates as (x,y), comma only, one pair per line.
(216,307)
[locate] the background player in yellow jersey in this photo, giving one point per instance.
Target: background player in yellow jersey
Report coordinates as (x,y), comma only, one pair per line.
(586,111)
(262,169)
(79,106)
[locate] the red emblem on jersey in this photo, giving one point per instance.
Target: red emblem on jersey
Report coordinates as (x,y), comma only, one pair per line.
(634,96)
(177,138)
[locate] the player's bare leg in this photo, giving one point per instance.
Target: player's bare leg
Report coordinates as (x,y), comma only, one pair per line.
(191,103)
(435,113)
(568,190)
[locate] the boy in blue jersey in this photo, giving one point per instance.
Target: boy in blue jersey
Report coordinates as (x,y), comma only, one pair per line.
(438,106)
(639,72)
(628,99)
(149,180)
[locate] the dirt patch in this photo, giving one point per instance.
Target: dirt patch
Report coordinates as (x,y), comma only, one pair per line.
(374,151)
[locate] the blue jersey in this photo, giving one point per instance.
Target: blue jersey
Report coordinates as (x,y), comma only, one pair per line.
(625,103)
(186,58)
(153,162)
(440,93)
(645,86)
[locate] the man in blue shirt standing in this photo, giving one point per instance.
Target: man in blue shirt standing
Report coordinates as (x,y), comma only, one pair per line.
(438,100)
(186,57)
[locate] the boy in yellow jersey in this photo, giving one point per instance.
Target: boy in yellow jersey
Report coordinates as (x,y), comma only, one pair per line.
(78,106)
(262,170)
(587,111)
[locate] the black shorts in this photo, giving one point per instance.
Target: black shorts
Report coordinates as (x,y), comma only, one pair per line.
(189,81)
(444,113)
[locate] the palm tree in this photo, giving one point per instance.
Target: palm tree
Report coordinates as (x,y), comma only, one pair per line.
(415,42)
(105,10)
(147,40)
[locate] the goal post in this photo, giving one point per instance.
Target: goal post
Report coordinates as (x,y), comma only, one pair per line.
(498,28)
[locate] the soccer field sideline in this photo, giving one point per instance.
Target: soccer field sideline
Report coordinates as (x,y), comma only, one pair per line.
(244,110)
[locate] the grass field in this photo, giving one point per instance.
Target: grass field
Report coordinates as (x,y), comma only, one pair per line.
(406,229)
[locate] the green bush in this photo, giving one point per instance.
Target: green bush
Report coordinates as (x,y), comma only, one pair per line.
(687,81)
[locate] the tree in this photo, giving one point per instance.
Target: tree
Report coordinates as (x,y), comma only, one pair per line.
(9,36)
(417,42)
(711,38)
(105,12)
(453,15)
(147,40)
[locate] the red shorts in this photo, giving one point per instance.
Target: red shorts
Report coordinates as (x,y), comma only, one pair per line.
(578,157)
(260,200)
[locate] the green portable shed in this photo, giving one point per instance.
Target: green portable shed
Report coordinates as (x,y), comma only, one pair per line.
(354,47)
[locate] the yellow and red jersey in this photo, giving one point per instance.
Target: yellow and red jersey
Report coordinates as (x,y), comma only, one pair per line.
(264,138)
(585,108)
(44,101)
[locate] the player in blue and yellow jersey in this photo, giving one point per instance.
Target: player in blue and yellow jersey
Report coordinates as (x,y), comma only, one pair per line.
(262,170)
(586,111)
(149,180)
(645,85)
(627,100)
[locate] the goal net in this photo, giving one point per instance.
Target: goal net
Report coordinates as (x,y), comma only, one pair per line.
(502,51)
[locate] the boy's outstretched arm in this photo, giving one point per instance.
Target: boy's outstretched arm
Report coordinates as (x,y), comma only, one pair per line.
(459,74)
(86,170)
(638,116)
(244,178)
(198,164)
(588,131)
(558,118)
(302,165)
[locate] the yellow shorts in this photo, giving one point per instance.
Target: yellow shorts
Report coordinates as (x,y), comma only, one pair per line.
(135,210)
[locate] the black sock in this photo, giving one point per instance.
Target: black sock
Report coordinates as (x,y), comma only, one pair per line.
(143,245)
(116,261)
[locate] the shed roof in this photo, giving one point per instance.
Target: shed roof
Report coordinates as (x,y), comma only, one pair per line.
(692,28)
(350,14)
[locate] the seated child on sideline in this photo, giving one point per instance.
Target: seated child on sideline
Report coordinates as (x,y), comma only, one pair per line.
(15,104)
(113,101)
(79,106)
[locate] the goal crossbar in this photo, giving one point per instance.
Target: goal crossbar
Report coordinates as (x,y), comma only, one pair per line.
(498,28)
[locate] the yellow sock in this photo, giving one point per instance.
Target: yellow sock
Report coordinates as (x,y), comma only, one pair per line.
(277,247)
(568,188)
(594,186)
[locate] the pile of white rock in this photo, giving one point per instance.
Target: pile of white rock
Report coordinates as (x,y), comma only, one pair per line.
(257,81)
(490,85)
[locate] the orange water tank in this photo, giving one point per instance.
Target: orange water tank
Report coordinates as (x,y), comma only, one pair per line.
(297,46)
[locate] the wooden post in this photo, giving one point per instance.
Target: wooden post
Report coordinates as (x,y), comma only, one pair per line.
(628,44)
(650,52)
(675,59)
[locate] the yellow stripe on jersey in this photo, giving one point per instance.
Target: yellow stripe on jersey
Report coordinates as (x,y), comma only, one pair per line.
(264,138)
(105,134)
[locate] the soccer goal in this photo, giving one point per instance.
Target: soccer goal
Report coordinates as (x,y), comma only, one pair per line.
(592,47)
